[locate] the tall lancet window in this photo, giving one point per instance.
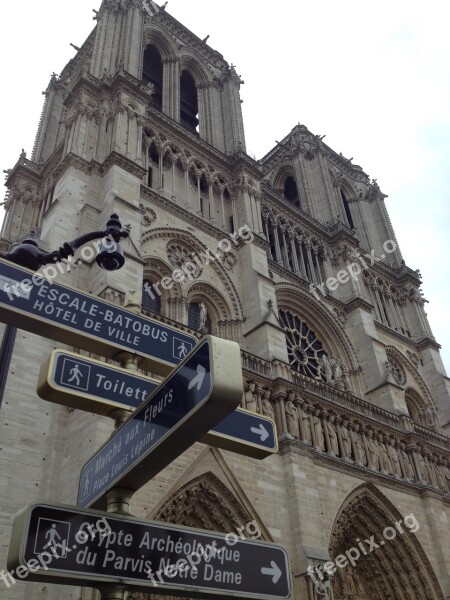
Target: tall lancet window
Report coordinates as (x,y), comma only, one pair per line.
(291,192)
(188,102)
(152,74)
(348,212)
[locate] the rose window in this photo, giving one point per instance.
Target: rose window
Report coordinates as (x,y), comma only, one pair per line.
(180,257)
(304,349)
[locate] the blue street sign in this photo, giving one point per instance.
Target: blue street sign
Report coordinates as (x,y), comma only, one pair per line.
(86,384)
(61,544)
(246,433)
(202,391)
(31,302)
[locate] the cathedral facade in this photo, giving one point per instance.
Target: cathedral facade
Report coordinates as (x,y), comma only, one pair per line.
(294,257)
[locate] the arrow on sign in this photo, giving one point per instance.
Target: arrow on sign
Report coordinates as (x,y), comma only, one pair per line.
(198,379)
(274,570)
(261,431)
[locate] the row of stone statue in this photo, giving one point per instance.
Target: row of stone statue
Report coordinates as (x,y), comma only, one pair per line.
(353,442)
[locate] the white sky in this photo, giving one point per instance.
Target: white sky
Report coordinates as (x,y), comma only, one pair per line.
(373,77)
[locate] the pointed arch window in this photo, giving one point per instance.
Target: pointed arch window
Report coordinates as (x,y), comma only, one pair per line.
(347,210)
(188,102)
(151,300)
(290,191)
(152,74)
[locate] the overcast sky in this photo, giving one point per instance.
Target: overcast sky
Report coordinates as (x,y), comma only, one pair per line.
(372,77)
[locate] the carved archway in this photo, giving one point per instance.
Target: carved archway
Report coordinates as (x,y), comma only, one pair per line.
(204,503)
(397,569)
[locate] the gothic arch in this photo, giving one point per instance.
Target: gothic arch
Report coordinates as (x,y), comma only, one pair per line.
(182,236)
(218,308)
(157,268)
(280,174)
(163,43)
(398,569)
(205,502)
(414,380)
(189,62)
(293,298)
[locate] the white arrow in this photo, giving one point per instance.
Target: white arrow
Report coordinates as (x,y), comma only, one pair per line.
(274,571)
(261,431)
(198,379)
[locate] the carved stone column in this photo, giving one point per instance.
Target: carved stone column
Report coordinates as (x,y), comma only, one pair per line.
(279,400)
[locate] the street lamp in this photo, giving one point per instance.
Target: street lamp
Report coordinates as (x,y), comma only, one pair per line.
(28,254)
(110,255)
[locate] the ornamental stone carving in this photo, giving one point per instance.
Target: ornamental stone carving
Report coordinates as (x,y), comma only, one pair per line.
(394,368)
(266,405)
(250,398)
(179,256)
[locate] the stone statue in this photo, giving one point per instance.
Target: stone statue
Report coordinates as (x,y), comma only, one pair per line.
(430,418)
(446,473)
(393,455)
(151,88)
(337,371)
(350,585)
(334,446)
(304,416)
(345,377)
(423,468)
(318,432)
(203,316)
(250,398)
(409,471)
(346,440)
(322,590)
(292,416)
(326,367)
(385,462)
(440,477)
(360,450)
(374,456)
(267,408)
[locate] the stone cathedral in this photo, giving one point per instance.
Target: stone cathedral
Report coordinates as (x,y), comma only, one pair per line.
(294,257)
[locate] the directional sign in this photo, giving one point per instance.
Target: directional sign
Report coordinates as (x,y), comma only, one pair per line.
(64,545)
(87,384)
(31,302)
(246,433)
(202,391)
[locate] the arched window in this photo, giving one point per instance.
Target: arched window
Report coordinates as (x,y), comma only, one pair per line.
(151,300)
(198,317)
(290,191)
(152,74)
(188,102)
(347,210)
(419,412)
(305,350)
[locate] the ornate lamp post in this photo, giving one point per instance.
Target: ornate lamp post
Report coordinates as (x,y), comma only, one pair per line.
(110,256)
(29,255)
